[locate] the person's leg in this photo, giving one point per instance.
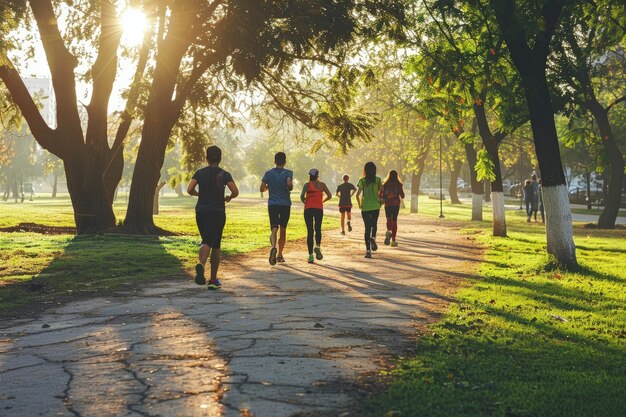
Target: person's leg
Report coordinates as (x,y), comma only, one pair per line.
(343,220)
(308,220)
(319,217)
(366,221)
(203,253)
(215,262)
(273,234)
(389,216)
(394,218)
(284,220)
(349,215)
(375,214)
(543,215)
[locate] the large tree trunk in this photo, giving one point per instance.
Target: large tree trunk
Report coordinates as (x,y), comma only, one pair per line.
(93,211)
(559,232)
(530,61)
(615,172)
(454,176)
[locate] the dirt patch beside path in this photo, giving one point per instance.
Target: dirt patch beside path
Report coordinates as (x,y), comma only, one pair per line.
(294,339)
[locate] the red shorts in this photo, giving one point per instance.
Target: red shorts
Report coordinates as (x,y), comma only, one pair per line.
(345,209)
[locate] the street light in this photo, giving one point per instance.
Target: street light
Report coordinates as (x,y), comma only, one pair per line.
(441,216)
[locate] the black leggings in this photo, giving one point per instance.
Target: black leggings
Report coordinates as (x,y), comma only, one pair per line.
(313,215)
(370,218)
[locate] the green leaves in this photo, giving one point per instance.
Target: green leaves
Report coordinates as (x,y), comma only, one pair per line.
(485,168)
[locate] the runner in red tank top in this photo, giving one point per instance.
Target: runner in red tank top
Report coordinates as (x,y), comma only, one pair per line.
(313,198)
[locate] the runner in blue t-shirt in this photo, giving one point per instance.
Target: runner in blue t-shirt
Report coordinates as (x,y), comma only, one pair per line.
(211,212)
(279,182)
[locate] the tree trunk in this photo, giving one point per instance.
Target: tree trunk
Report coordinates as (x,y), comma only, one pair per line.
(497,191)
(179,189)
(93,211)
(155,204)
(139,218)
(613,199)
(454,176)
(477,186)
(416,178)
(487,192)
(588,181)
(55,184)
(531,64)
(559,232)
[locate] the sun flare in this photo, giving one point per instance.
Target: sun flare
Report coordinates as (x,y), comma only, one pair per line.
(134,24)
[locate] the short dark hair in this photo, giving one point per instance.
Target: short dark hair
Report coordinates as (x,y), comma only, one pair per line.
(346,177)
(280,158)
(213,154)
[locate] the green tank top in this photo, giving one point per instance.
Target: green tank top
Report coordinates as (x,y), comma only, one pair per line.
(370,194)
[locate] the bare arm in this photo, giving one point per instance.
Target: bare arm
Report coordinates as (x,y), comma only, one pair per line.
(303,193)
(234,191)
(329,196)
(289,183)
(401,192)
(358,196)
(263,187)
(191,188)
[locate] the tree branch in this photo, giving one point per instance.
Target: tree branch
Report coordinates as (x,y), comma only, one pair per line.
(62,64)
(44,135)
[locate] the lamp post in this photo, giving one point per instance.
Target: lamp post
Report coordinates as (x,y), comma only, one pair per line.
(521,172)
(441,216)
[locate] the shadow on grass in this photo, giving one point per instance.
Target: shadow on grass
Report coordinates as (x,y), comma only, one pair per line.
(88,266)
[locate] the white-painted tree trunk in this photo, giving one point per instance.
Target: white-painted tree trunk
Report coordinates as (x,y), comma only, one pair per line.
(499,221)
(414,203)
(559,232)
(477,207)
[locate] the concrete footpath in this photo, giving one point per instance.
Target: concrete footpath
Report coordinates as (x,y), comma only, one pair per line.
(296,339)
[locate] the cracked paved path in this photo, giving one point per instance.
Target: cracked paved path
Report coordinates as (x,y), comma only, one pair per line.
(289,340)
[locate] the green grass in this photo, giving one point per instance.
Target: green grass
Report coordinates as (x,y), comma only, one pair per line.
(69,265)
(522,339)
(595,211)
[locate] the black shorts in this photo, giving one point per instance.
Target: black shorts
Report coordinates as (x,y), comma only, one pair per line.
(279,215)
(345,209)
(211,225)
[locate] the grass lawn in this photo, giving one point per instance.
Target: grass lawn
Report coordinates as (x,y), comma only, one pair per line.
(521,339)
(37,268)
(596,211)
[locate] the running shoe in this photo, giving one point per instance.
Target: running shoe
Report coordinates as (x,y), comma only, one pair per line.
(280,258)
(318,253)
(349,227)
(200,280)
(214,284)
(373,244)
(368,254)
(273,253)
(342,233)
(394,244)
(387,237)
(311,258)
